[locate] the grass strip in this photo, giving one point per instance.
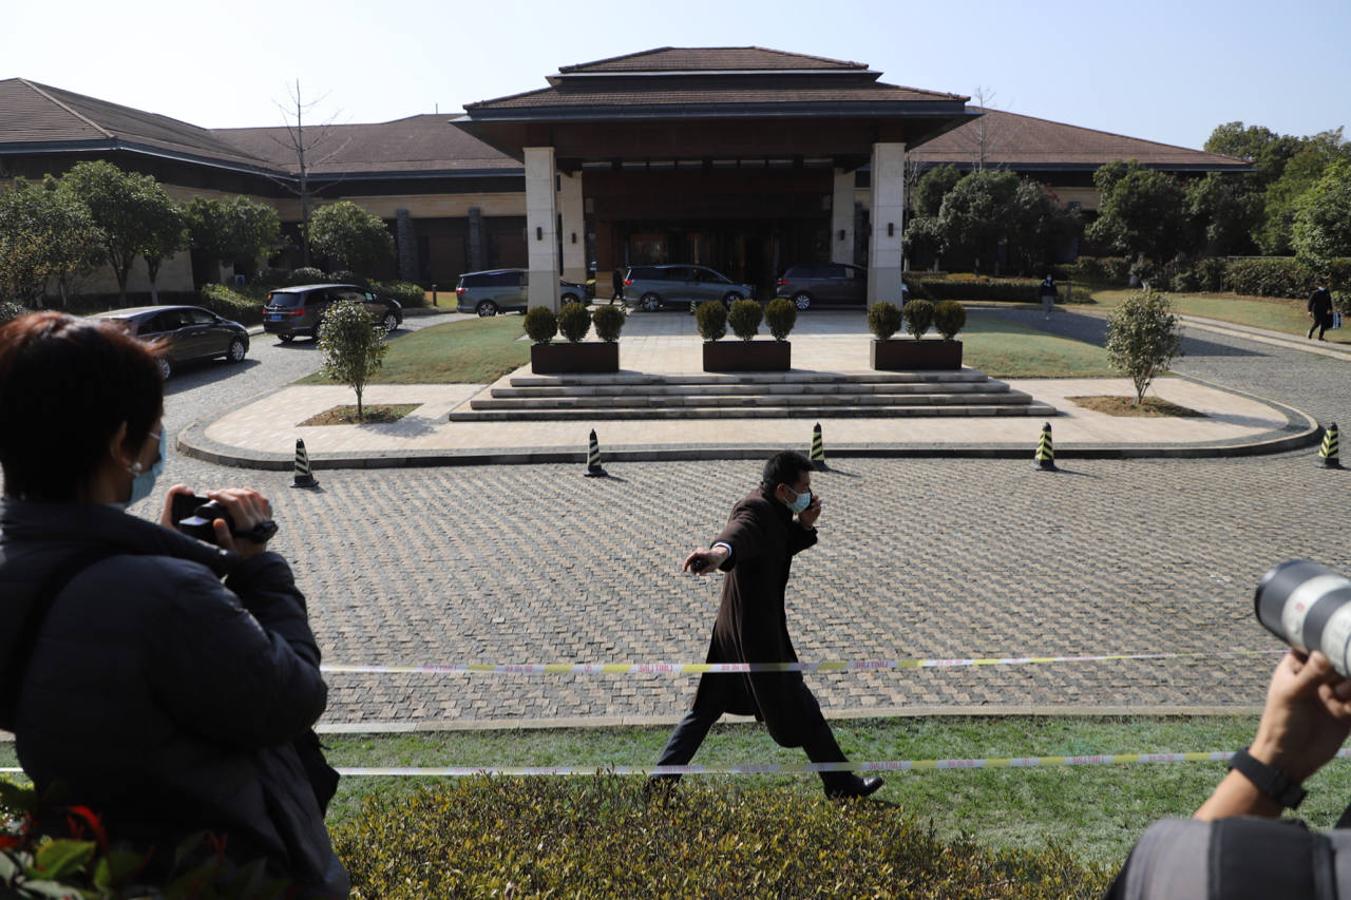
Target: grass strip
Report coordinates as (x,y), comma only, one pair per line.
(474,351)
(1004,349)
(1272,313)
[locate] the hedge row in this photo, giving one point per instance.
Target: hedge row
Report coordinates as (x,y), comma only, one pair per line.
(969,287)
(231,304)
(1258,276)
(598,837)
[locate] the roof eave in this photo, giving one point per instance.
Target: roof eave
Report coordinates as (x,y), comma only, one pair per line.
(133,147)
(832,110)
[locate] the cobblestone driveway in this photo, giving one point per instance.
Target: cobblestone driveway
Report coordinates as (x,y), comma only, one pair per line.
(918,558)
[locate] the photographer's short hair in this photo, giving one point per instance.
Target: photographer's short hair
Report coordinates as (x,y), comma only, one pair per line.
(66,386)
(785,467)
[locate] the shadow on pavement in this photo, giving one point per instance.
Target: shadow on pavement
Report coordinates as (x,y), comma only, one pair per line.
(194,375)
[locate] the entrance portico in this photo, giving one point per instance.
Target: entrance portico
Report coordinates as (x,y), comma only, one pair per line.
(741,159)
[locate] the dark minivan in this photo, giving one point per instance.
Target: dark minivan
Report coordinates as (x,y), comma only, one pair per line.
(293,311)
(825,284)
(188,333)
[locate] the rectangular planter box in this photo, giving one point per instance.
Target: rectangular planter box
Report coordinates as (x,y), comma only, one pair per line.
(574,359)
(909,355)
(748,356)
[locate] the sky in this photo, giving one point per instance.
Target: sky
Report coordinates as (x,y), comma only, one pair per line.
(1166,71)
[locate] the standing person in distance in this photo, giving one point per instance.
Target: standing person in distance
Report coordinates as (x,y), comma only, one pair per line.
(766,530)
(1047,294)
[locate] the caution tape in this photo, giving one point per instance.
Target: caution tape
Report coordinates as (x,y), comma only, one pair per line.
(840,665)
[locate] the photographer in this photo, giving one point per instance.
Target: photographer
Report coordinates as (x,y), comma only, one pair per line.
(167,684)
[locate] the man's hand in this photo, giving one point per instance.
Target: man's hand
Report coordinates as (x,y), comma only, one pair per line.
(248,509)
(1307,716)
(807,518)
(705,562)
(166,517)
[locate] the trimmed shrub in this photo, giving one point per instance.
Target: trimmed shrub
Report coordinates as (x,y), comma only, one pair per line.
(609,321)
(353,346)
(10,311)
(346,277)
(1143,337)
(1341,301)
(975,287)
(232,304)
(1283,276)
(919,315)
(1107,270)
(949,318)
(574,322)
(711,320)
(781,316)
(597,837)
(884,319)
(744,317)
(541,324)
(306,275)
(409,295)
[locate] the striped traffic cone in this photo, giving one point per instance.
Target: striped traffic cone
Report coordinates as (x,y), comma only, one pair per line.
(593,466)
(1328,452)
(1045,455)
(303,477)
(818,456)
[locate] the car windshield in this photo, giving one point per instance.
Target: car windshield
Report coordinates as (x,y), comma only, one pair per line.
(285,298)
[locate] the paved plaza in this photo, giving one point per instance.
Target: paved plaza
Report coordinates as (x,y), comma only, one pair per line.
(931,558)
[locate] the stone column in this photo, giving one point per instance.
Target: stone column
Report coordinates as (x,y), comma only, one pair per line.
(409,264)
(541,226)
(573,215)
(888,219)
(475,226)
(842,218)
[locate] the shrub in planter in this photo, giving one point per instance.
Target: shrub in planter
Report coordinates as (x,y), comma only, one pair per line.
(744,317)
(884,320)
(781,316)
(541,324)
(307,275)
(574,322)
(609,321)
(711,319)
(919,315)
(949,318)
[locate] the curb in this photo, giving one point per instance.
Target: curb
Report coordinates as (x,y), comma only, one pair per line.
(1300,431)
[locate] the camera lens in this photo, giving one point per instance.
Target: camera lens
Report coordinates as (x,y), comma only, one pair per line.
(1309,607)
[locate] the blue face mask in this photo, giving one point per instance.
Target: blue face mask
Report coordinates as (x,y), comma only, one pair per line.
(142,481)
(803,501)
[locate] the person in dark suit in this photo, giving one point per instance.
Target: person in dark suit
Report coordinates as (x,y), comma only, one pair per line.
(617,282)
(765,531)
(1320,308)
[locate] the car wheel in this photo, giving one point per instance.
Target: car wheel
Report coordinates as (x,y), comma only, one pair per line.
(286,338)
(803,301)
(650,302)
(166,368)
(486,308)
(236,352)
(390,322)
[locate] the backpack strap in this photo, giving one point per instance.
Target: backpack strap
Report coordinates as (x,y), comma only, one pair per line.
(30,628)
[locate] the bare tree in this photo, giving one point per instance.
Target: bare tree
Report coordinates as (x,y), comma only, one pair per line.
(981,145)
(312,145)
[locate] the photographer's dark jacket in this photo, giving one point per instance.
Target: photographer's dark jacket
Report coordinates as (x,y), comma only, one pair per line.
(752,625)
(167,701)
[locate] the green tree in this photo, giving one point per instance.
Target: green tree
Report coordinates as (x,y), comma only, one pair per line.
(166,234)
(1301,173)
(44,235)
(975,213)
(1142,212)
(1268,150)
(1037,226)
(1224,212)
(932,187)
(234,228)
(1143,337)
(355,239)
(133,213)
(353,346)
(923,241)
(1322,220)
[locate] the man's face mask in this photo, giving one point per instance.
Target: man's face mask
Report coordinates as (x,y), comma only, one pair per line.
(801,502)
(143,480)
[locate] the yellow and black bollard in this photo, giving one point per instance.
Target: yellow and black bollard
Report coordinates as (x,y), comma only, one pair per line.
(818,455)
(304,478)
(1328,454)
(1045,455)
(593,466)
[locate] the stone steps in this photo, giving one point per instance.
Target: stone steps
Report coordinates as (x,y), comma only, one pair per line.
(1040,410)
(832,401)
(769,378)
(727,390)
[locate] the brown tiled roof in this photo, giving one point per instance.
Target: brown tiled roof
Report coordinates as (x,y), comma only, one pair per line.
(690,59)
(1025,141)
(424,143)
(36,113)
(674,95)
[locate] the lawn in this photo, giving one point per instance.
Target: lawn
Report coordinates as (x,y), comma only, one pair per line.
(1003,349)
(1274,313)
(474,351)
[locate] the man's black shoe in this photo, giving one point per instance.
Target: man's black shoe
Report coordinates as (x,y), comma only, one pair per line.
(862,787)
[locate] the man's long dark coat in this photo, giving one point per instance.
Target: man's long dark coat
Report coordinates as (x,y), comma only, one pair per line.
(751,625)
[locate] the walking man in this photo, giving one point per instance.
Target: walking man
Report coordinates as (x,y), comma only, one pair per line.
(1320,308)
(617,282)
(765,531)
(1047,294)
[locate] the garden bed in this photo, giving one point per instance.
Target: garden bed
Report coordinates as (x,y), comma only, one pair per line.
(374,415)
(1150,407)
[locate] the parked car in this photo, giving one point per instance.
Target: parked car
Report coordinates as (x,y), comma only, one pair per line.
(826,284)
(188,332)
(293,311)
(506,290)
(656,287)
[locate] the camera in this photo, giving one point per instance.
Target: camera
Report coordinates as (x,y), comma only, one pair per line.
(193,516)
(1309,607)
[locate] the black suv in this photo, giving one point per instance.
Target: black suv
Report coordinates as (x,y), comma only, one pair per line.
(292,311)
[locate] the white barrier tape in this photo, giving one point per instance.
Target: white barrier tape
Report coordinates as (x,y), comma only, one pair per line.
(668,668)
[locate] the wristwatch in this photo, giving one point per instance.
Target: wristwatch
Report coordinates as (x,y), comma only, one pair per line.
(1269,780)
